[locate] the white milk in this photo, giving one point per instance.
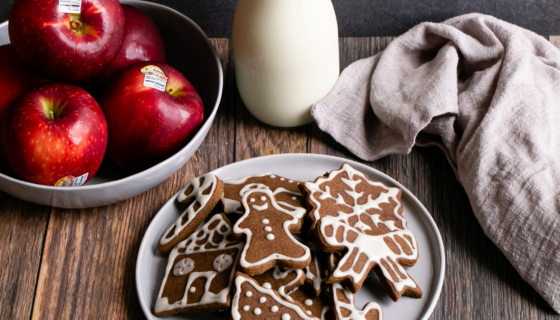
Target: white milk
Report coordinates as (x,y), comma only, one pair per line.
(286,57)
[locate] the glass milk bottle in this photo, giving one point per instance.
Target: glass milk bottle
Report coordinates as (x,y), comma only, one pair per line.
(285,56)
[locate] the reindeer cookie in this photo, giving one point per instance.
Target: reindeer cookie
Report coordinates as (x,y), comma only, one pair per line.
(200,271)
(200,196)
(252,302)
(285,191)
(363,220)
(267,229)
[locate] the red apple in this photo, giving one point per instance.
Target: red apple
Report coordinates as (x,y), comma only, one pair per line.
(142,42)
(66,46)
(147,125)
(14,78)
(53,133)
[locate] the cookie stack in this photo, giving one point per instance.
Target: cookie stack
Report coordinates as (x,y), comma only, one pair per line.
(284,249)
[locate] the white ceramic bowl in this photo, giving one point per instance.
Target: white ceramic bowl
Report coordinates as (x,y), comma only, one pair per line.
(190,52)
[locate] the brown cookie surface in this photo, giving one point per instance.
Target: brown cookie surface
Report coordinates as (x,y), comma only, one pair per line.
(344,308)
(267,230)
(283,281)
(363,220)
(200,196)
(200,271)
(253,302)
(316,306)
(285,191)
(316,272)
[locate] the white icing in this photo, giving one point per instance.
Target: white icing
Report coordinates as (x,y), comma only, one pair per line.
(210,180)
(315,275)
(278,274)
(189,246)
(252,199)
(263,198)
(266,285)
(183,267)
(375,249)
(257,311)
(291,181)
(285,316)
(309,312)
(230,205)
(276,300)
(267,228)
(308,302)
(282,179)
(248,294)
(265,221)
(294,198)
(262,300)
(248,234)
(222,262)
(260,208)
(273,176)
(192,289)
(246,308)
(354,313)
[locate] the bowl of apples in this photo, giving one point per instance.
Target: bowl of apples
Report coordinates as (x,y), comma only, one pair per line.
(101,100)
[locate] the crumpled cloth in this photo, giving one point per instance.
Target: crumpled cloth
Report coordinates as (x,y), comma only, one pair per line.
(488,94)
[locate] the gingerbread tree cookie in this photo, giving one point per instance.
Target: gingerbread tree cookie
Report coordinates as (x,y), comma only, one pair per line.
(200,196)
(268,228)
(200,271)
(285,191)
(363,220)
(252,302)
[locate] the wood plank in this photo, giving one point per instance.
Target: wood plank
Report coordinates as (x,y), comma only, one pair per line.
(22,231)
(480,282)
(90,255)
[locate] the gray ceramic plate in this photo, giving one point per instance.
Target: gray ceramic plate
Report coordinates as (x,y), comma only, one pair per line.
(190,52)
(428,272)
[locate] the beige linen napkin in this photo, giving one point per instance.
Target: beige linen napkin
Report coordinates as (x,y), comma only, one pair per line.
(488,93)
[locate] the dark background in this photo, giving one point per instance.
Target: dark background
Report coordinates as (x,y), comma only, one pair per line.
(359,18)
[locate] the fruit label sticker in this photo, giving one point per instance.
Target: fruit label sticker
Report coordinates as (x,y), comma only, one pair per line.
(71,181)
(70,6)
(154,77)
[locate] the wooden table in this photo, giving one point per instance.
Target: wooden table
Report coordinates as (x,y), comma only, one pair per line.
(79,264)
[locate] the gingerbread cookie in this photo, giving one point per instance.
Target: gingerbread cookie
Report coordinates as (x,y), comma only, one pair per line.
(316,306)
(363,219)
(283,281)
(316,272)
(286,192)
(200,271)
(344,308)
(200,196)
(252,302)
(268,228)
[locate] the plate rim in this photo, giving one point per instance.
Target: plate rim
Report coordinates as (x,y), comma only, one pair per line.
(435,294)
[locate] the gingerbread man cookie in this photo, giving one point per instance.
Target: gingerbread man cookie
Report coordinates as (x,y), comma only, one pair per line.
(252,302)
(268,228)
(363,220)
(283,281)
(285,190)
(200,196)
(200,271)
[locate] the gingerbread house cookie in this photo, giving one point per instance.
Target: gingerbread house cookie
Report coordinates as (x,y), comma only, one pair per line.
(200,271)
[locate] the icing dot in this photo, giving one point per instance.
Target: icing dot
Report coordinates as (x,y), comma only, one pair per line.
(308,302)
(262,300)
(252,200)
(248,293)
(270,236)
(265,221)
(285,316)
(290,181)
(309,312)
(267,285)
(267,229)
(246,308)
(273,176)
(294,198)
(263,198)
(274,309)
(282,179)
(192,289)
(257,311)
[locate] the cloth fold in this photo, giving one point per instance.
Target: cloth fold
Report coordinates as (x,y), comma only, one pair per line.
(488,94)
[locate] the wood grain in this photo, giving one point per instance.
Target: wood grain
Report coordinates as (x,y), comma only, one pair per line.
(88,256)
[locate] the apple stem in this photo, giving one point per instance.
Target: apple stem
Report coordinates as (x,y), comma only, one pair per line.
(76,25)
(51,114)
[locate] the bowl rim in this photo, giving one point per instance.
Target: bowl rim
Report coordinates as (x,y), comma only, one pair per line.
(163,163)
